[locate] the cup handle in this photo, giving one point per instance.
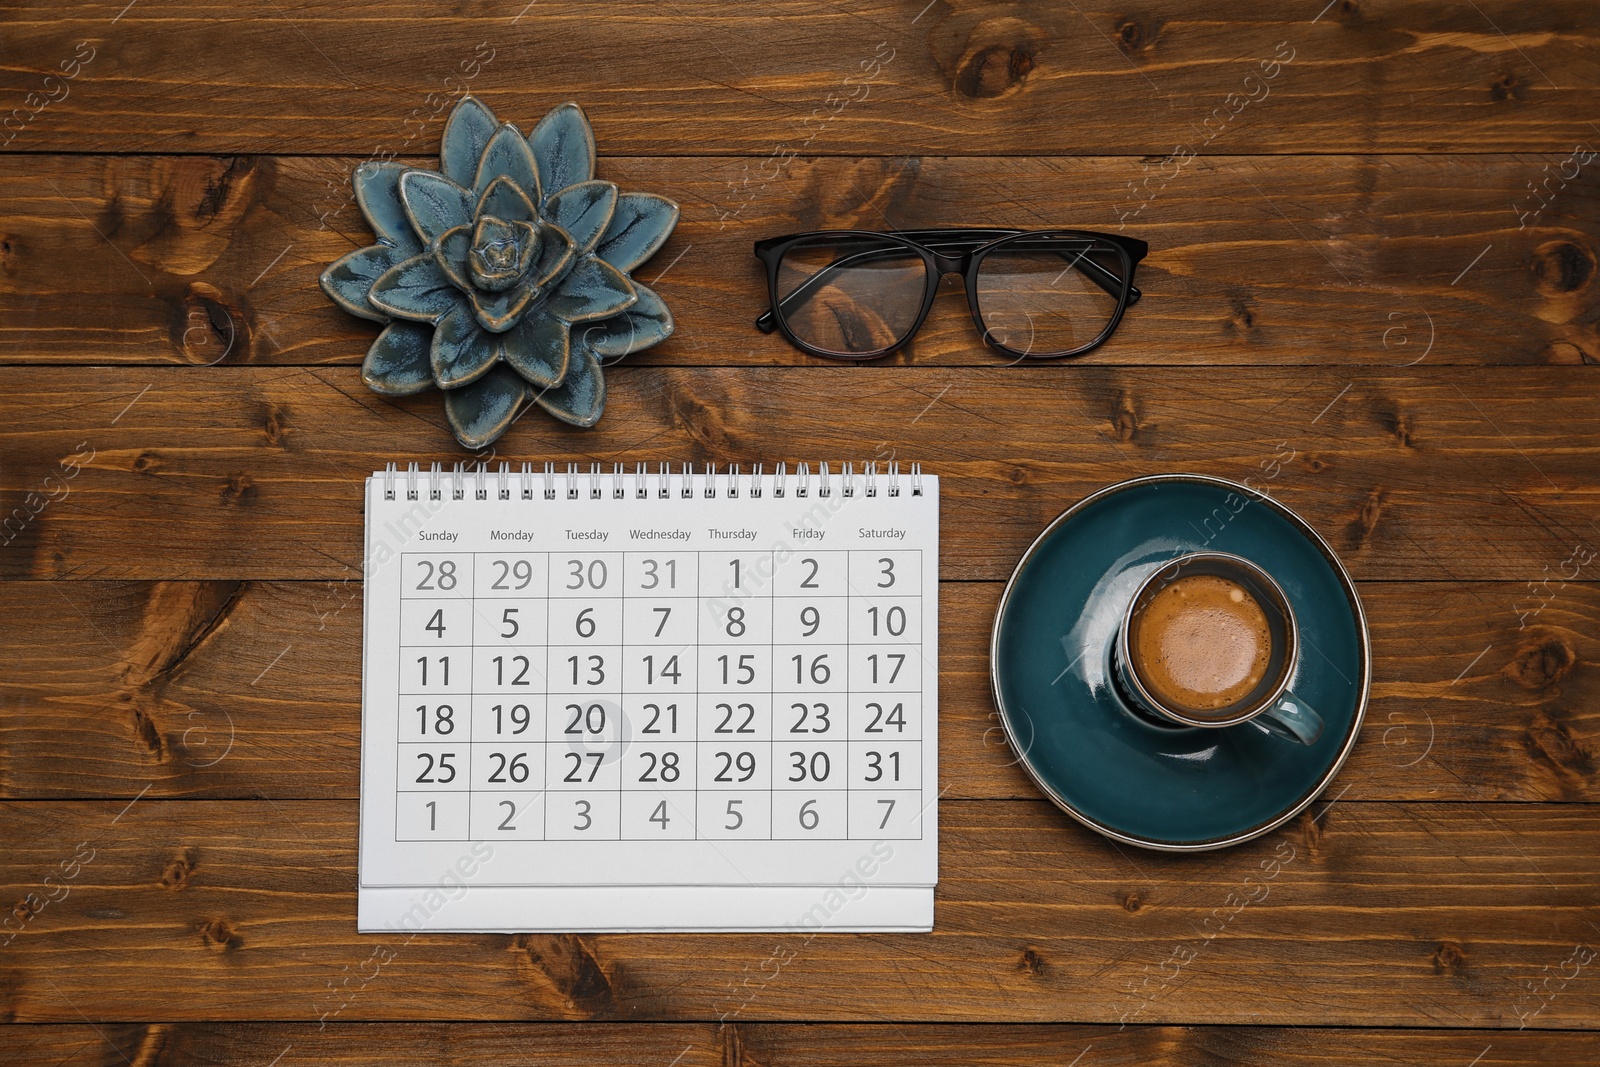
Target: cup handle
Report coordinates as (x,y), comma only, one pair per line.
(1292,719)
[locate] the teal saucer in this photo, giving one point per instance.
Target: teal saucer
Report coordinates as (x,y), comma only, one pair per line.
(1173,788)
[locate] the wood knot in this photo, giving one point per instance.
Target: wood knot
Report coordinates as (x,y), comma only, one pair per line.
(1031,962)
(1125,423)
(995,71)
(1312,831)
(1131,903)
(1543,663)
(220,936)
(1448,960)
(145,462)
(566,962)
(1508,87)
(176,875)
(204,328)
(1549,742)
(1400,426)
(1130,35)
(273,424)
(1349,9)
(1315,464)
(240,488)
(1017,475)
(146,732)
(1561,267)
(1366,519)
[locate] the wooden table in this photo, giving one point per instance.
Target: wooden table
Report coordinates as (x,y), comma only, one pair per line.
(1374,231)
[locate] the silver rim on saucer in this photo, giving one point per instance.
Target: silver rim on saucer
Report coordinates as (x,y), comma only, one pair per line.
(1350,595)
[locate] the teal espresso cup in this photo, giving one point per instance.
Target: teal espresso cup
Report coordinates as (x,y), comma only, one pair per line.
(1209,640)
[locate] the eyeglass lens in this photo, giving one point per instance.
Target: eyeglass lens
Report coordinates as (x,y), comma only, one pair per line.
(849,295)
(1047,296)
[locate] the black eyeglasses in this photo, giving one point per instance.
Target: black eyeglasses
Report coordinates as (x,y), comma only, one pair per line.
(857,294)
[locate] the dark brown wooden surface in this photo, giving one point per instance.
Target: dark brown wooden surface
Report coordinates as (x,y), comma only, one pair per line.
(1383,269)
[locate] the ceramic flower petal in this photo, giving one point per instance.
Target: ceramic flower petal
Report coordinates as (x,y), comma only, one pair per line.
(563,144)
(538,348)
(498,312)
(450,252)
(581,397)
(415,289)
(641,224)
(583,210)
(434,204)
(397,363)
(482,411)
(503,200)
(555,255)
(592,290)
(466,135)
(377,189)
(348,280)
(462,351)
(644,324)
(508,156)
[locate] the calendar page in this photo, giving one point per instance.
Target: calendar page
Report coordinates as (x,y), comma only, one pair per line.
(579,684)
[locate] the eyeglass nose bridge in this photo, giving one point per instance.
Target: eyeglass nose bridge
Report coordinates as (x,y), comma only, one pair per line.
(948,264)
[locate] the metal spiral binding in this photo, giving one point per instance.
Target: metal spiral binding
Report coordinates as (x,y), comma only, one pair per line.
(691,482)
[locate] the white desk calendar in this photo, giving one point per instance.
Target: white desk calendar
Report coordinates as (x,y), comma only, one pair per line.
(650,698)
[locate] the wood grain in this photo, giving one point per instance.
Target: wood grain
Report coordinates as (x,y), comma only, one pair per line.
(1254,260)
(246,690)
(985,79)
(774,1045)
(250,473)
(1366,914)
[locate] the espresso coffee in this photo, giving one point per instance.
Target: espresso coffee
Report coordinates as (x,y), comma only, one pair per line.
(1201,643)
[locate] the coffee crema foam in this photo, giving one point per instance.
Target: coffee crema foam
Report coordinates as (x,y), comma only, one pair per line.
(1201,643)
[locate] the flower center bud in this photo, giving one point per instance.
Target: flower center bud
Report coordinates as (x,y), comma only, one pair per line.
(500,255)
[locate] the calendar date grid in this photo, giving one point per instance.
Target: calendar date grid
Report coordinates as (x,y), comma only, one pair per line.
(660,695)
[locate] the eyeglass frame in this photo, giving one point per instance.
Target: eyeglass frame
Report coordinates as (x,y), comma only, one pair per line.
(936,265)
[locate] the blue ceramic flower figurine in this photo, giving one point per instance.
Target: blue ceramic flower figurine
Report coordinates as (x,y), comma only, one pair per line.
(502,277)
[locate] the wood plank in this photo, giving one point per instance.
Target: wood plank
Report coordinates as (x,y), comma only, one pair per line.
(242,690)
(775,1045)
(325,77)
(1254,260)
(1365,914)
(249,473)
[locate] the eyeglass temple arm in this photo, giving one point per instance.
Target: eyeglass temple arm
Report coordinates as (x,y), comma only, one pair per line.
(1107,280)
